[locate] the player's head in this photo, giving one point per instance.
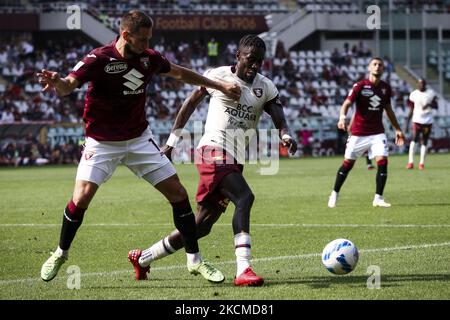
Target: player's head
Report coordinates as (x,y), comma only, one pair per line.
(250,56)
(136,29)
(376,67)
(421,84)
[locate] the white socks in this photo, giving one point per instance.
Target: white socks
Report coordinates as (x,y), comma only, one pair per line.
(60,252)
(412,144)
(193,258)
(423,152)
(242,251)
(157,251)
(377,197)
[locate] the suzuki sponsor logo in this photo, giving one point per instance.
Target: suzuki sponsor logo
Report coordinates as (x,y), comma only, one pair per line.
(134,82)
(374,102)
(115,67)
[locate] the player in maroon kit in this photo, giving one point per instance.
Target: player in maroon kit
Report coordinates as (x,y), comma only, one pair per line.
(372,97)
(117,132)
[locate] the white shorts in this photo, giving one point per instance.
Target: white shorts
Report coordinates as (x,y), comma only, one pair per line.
(141,155)
(376,145)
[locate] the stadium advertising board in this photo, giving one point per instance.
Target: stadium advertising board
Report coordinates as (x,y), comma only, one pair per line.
(198,23)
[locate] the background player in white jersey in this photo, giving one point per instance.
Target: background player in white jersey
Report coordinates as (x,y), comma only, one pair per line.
(421,101)
(221,178)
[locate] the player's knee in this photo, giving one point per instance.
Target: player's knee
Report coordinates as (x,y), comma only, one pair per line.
(178,194)
(246,199)
(82,199)
(83,193)
(347,165)
(382,162)
(382,165)
(204,228)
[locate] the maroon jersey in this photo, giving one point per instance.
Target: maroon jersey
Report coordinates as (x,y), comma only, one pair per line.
(115,100)
(370,102)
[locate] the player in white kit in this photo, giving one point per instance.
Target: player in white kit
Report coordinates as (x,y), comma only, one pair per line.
(421,101)
(219,160)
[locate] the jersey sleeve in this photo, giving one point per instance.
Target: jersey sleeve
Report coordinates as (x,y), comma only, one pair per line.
(210,74)
(86,69)
(353,93)
(272,91)
(411,96)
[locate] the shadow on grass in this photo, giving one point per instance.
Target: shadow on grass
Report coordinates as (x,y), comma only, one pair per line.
(313,282)
(386,280)
(430,204)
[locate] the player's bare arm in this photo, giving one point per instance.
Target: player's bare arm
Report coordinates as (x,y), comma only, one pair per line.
(343,114)
(186,75)
(275,111)
(52,80)
(399,136)
(186,110)
(434,104)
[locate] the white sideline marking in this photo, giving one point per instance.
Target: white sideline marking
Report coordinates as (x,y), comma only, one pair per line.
(274,225)
(301,256)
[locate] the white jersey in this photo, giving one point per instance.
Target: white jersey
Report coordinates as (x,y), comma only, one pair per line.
(422,112)
(229,122)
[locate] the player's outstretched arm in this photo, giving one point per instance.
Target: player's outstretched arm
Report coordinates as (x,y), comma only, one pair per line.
(52,80)
(399,136)
(232,90)
(275,110)
(186,110)
(434,103)
(343,114)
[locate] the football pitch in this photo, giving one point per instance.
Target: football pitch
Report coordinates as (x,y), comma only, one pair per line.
(408,243)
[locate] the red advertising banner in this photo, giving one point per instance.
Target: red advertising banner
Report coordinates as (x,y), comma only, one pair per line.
(223,23)
(19,21)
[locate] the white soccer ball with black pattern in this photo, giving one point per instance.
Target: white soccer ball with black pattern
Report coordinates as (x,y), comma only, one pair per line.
(340,256)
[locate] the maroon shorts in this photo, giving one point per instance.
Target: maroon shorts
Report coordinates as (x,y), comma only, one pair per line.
(423,128)
(213,165)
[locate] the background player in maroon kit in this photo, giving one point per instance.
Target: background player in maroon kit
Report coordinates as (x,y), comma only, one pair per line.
(117,132)
(372,97)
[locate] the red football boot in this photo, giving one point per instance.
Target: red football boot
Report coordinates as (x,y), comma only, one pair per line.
(248,278)
(421,166)
(141,272)
(410,166)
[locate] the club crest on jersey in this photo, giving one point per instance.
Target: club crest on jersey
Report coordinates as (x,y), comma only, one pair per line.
(258,92)
(145,62)
(383,91)
(88,154)
(367,92)
(115,67)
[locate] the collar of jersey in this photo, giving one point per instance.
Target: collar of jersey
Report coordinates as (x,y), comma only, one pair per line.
(240,81)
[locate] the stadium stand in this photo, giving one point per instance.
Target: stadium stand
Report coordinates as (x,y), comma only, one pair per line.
(109,7)
(349,6)
(312,83)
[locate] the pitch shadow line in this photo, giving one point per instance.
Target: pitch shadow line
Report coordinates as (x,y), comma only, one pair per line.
(302,256)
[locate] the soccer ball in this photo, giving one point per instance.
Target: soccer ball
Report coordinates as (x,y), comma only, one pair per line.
(340,256)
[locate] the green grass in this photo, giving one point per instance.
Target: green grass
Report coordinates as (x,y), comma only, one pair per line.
(291,224)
